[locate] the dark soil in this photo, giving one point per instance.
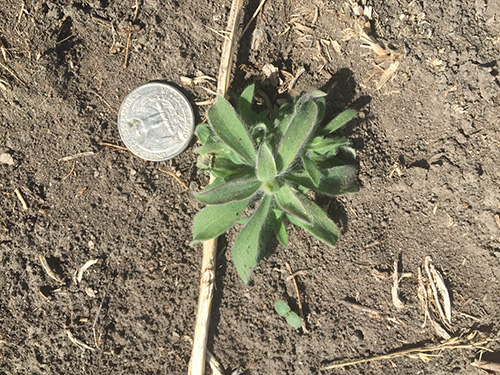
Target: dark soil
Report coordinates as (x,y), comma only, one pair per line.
(429,151)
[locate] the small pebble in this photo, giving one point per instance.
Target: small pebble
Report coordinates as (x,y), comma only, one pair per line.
(6,159)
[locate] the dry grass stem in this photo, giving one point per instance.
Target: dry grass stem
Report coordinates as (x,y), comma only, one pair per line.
(95,321)
(439,292)
(77,342)
(136,9)
(389,58)
(115,147)
(395,286)
(472,341)
(48,270)
(71,170)
(360,307)
(497,219)
(176,178)
(205,102)
(207,282)
(434,299)
(215,366)
(125,61)
(196,80)
(299,303)
(106,103)
(487,365)
(261,4)
(11,72)
(21,199)
(76,156)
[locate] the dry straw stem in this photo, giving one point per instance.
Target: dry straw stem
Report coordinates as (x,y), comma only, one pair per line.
(21,199)
(207,283)
(49,271)
(176,178)
(472,341)
(395,286)
(77,342)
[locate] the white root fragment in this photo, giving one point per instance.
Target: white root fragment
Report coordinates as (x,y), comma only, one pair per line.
(82,269)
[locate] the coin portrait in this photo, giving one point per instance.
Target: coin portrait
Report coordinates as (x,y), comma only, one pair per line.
(156,121)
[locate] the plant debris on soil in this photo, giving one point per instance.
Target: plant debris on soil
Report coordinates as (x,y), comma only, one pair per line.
(97,272)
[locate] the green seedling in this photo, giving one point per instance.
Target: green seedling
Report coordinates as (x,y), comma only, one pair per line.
(284,310)
(265,165)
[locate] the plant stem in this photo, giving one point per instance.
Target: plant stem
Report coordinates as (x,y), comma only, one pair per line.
(207,283)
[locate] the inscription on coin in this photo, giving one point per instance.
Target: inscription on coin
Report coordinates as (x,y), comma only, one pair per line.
(156,121)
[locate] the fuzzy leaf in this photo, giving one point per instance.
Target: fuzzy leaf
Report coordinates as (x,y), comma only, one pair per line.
(321,103)
(212,221)
(312,170)
(249,246)
(228,192)
(202,131)
(245,104)
(339,121)
(294,320)
(333,181)
(296,135)
(310,96)
(227,125)
(266,167)
(321,226)
(279,227)
(322,145)
(281,307)
(289,202)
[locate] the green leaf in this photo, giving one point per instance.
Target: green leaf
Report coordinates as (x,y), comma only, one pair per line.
(289,202)
(311,95)
(249,246)
(321,226)
(279,227)
(228,192)
(339,121)
(294,320)
(333,181)
(312,170)
(321,103)
(296,135)
(326,145)
(203,132)
(212,221)
(245,104)
(228,127)
(281,307)
(266,167)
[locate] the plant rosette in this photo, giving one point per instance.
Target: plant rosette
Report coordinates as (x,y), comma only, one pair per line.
(268,164)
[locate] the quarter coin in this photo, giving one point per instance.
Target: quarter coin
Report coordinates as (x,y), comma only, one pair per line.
(156,121)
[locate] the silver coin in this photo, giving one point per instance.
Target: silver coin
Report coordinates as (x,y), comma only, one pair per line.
(156,121)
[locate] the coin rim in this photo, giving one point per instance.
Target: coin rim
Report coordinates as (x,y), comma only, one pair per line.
(173,88)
